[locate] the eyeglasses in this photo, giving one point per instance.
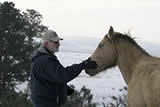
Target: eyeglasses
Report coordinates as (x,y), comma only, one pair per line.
(54,42)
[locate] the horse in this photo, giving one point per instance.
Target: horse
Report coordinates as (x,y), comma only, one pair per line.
(139,69)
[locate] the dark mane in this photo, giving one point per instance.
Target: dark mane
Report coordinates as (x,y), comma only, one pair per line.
(127,37)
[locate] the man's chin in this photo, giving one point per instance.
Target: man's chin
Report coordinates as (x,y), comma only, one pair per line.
(56,50)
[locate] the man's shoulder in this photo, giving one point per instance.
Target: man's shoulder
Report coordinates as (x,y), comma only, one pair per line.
(48,56)
(44,57)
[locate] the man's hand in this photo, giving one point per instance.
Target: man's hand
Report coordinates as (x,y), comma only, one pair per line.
(88,64)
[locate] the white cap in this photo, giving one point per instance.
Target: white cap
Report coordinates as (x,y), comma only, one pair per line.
(51,35)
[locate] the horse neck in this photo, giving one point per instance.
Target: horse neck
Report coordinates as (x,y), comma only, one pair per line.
(129,56)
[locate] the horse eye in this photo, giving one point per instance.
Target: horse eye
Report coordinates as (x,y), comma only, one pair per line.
(100,45)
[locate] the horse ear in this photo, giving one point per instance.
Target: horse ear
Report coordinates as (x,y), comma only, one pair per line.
(111,31)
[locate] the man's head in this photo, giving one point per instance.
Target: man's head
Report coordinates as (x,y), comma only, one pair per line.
(51,41)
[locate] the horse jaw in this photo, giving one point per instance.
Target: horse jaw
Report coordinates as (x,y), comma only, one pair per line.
(93,72)
(90,72)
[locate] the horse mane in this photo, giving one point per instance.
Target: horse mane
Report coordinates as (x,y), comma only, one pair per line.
(127,37)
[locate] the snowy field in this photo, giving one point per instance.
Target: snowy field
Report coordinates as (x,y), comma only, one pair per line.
(102,85)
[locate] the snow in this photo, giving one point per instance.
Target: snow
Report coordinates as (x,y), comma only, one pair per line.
(104,84)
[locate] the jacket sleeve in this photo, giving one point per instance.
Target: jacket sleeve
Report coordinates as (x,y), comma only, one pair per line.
(55,72)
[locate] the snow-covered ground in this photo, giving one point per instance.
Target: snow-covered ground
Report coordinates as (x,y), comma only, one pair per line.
(102,85)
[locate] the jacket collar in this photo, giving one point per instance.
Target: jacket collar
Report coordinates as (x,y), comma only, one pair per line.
(41,51)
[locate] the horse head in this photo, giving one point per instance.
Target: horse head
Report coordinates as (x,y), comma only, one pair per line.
(105,54)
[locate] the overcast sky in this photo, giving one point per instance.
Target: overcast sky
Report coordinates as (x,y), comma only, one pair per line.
(93,17)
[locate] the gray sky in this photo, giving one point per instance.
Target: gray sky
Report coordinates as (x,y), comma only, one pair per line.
(93,17)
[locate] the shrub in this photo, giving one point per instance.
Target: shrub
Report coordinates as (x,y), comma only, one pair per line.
(82,98)
(13,99)
(117,101)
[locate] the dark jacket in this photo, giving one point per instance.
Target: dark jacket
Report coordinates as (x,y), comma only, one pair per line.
(49,78)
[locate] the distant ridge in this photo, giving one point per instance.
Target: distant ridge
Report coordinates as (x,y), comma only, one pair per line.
(89,44)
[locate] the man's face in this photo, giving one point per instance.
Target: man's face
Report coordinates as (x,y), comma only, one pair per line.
(53,46)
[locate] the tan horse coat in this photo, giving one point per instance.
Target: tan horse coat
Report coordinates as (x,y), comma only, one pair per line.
(140,70)
(142,74)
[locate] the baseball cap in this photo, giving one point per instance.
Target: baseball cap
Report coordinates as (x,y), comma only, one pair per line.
(51,35)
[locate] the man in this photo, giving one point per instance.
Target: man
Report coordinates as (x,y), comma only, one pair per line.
(48,77)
